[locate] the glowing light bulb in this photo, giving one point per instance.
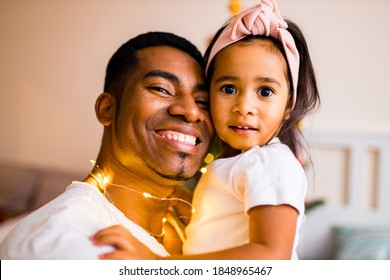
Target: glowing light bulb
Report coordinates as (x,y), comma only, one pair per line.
(209,158)
(203,169)
(147,195)
(235,7)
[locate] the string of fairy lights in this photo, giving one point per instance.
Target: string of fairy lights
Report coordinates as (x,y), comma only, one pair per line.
(103,182)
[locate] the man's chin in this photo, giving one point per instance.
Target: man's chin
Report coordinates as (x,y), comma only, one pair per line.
(178,176)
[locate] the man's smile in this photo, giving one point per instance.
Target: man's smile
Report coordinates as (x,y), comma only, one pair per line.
(177,136)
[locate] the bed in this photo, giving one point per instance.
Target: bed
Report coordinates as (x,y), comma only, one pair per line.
(350,177)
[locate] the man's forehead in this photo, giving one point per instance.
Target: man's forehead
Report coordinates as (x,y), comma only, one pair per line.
(167,59)
(161,54)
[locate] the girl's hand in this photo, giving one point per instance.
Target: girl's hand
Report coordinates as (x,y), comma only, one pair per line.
(127,247)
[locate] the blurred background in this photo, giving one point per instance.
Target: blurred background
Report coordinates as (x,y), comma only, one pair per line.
(53,56)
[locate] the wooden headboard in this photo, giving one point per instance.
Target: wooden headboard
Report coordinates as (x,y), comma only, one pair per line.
(350,172)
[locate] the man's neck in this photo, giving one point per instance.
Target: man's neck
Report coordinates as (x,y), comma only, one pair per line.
(141,202)
(144,209)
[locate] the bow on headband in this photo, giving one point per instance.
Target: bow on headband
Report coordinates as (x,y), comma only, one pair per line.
(261,19)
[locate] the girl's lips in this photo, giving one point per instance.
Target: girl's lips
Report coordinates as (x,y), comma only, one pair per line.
(244,127)
(243,130)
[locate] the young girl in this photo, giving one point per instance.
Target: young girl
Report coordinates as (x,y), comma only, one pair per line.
(250,202)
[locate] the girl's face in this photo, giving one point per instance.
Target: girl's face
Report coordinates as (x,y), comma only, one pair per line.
(249,93)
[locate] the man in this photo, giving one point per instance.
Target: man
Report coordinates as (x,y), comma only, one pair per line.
(157,130)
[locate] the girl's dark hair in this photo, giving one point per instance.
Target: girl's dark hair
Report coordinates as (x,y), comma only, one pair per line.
(308,98)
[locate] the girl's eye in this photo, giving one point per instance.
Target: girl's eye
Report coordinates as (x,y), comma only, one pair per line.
(228,89)
(265,92)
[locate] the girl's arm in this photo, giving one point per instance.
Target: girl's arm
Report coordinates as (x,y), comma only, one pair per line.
(271,236)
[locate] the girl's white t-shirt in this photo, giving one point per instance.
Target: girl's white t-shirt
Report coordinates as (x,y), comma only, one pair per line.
(268,175)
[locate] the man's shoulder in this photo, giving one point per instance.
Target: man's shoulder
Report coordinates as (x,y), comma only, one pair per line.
(57,228)
(76,203)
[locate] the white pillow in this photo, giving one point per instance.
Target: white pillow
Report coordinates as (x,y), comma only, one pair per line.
(362,243)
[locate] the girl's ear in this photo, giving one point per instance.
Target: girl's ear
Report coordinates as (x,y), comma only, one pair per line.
(288,109)
(287,113)
(105,108)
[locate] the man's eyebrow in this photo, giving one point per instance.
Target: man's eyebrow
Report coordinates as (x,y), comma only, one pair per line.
(173,78)
(202,87)
(162,74)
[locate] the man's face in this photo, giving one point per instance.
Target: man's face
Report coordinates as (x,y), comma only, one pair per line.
(164,127)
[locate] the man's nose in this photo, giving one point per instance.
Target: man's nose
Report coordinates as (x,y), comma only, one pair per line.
(186,108)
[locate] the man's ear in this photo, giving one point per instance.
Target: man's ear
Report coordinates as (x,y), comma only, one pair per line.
(105,108)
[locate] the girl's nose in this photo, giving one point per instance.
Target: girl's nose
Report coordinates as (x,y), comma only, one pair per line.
(245,104)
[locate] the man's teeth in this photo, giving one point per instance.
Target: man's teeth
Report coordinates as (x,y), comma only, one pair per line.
(186,139)
(244,127)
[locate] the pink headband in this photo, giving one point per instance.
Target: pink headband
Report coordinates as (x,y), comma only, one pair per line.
(261,19)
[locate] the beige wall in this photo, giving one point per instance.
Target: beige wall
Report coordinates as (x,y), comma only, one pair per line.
(53,56)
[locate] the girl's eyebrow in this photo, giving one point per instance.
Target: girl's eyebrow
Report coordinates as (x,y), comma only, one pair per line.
(226,78)
(260,79)
(269,80)
(163,74)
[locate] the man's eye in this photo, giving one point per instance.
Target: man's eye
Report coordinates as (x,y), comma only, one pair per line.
(204,105)
(160,90)
(265,92)
(228,89)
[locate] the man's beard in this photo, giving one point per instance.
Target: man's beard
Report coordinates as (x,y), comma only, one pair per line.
(180,174)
